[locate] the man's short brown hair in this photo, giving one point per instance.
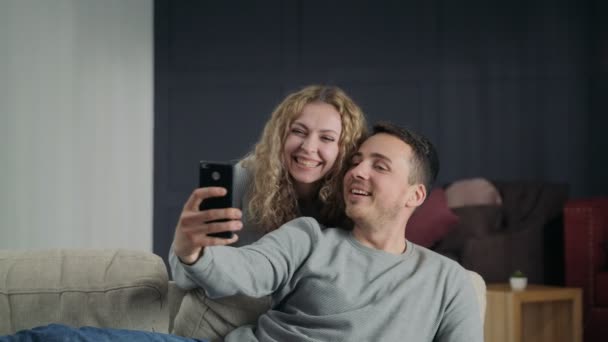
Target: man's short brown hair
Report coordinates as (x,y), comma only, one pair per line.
(424,161)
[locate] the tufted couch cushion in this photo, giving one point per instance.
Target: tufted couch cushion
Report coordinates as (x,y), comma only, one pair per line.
(103,288)
(202,317)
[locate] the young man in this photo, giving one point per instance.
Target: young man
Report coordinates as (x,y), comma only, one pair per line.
(368,284)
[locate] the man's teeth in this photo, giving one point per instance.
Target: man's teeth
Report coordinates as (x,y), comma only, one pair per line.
(359,192)
(307,163)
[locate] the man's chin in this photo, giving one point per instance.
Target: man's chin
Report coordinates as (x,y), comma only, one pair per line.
(354,213)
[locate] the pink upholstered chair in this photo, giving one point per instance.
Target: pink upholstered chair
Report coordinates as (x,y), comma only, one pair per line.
(586,261)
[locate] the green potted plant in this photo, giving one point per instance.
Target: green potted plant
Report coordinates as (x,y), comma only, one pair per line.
(518,281)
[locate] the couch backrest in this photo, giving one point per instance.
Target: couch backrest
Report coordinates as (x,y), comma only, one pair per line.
(103,288)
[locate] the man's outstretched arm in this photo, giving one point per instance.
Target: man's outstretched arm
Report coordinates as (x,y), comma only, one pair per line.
(255,270)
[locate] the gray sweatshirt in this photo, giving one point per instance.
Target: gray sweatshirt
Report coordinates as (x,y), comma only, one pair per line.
(326,286)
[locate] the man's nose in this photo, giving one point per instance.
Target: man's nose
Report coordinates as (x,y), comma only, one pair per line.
(360,171)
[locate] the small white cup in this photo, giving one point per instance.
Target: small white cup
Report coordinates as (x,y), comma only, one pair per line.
(518,283)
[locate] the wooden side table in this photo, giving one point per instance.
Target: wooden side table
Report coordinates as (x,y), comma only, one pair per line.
(536,314)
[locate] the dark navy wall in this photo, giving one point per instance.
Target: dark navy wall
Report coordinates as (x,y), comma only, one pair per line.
(506,89)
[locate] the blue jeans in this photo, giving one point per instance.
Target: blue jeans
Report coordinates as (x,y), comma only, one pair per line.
(58,332)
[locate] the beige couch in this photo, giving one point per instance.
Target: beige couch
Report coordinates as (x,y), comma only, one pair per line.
(104,288)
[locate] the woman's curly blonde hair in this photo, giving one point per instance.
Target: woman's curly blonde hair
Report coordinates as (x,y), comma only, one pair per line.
(273,200)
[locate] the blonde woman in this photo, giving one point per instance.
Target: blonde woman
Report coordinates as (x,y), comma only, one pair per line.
(294,170)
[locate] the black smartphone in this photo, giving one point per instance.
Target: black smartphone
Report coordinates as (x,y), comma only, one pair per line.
(217,174)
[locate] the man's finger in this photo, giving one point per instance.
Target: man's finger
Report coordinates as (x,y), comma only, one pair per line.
(212,227)
(220,214)
(191,217)
(200,194)
(223,242)
(190,202)
(218,227)
(213,241)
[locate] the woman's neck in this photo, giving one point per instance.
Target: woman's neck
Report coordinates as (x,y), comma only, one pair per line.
(306,193)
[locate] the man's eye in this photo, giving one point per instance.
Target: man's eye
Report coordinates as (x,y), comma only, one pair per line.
(380,167)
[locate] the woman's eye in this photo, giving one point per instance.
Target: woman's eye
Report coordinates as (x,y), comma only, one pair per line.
(328,139)
(297,131)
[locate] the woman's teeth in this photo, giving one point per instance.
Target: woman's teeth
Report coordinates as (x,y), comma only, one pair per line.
(307,163)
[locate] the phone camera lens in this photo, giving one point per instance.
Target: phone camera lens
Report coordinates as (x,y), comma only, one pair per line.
(215,175)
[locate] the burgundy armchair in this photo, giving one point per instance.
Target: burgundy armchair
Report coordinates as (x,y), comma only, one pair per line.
(586,261)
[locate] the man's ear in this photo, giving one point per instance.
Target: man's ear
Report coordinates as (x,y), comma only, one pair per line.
(417,195)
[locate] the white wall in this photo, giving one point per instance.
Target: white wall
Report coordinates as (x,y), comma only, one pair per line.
(76,123)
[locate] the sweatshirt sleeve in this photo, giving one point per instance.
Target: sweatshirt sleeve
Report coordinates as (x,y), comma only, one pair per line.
(461,321)
(255,270)
(178,271)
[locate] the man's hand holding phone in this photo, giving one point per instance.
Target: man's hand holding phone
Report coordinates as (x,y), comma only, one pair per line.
(195,225)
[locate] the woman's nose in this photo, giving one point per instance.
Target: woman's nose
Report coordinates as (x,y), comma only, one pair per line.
(309,144)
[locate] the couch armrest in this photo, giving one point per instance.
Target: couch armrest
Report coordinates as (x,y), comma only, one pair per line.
(103,288)
(480,290)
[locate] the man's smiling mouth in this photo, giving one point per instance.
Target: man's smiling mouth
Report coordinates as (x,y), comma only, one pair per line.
(359,192)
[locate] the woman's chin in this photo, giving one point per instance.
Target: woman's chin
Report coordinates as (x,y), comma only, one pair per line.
(304,176)
(305,184)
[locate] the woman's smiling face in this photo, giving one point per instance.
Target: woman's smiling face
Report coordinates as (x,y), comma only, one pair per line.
(311,147)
